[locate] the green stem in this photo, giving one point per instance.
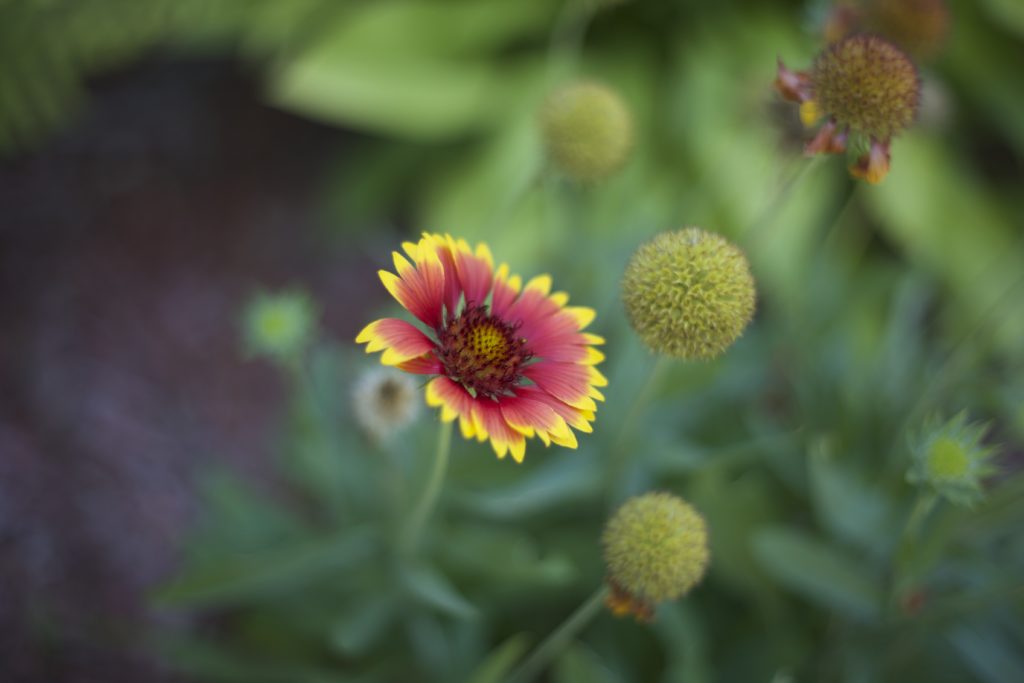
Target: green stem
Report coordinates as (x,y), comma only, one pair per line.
(619,453)
(559,638)
(904,572)
(428,499)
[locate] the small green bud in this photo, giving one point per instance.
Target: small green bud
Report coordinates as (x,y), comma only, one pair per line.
(385,402)
(588,131)
(688,293)
(867,85)
(950,459)
(279,325)
(655,549)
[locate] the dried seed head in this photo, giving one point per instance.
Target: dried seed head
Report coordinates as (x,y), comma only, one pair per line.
(868,85)
(588,131)
(688,293)
(385,402)
(655,549)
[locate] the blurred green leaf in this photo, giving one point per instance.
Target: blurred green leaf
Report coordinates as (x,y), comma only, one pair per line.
(579,664)
(500,660)
(236,577)
(435,591)
(989,652)
(363,624)
(849,508)
(818,572)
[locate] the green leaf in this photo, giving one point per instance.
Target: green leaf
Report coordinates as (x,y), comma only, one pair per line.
(818,572)
(434,590)
(362,625)
(846,506)
(500,660)
(988,652)
(236,577)
(578,664)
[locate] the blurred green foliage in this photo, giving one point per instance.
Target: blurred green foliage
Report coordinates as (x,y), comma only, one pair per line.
(878,308)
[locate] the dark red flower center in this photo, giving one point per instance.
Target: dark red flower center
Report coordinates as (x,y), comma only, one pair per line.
(482,352)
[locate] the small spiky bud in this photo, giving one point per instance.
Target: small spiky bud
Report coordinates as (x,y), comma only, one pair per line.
(951,459)
(688,293)
(588,131)
(385,402)
(868,85)
(279,325)
(655,549)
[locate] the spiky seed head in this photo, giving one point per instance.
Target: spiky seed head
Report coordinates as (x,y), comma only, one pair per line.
(279,325)
(655,549)
(868,85)
(689,293)
(385,402)
(950,458)
(918,26)
(587,130)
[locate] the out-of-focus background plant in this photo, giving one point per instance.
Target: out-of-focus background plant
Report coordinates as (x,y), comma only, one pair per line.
(202,478)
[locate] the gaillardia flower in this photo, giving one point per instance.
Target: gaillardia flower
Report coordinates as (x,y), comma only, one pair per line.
(510,361)
(862,86)
(655,549)
(949,457)
(688,293)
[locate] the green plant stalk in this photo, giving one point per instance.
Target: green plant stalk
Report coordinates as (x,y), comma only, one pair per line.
(904,573)
(428,499)
(619,456)
(559,638)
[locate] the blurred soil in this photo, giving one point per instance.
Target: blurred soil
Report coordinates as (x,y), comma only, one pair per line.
(127,246)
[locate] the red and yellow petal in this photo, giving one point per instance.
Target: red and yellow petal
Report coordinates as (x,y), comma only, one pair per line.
(454,402)
(419,286)
(399,340)
(570,383)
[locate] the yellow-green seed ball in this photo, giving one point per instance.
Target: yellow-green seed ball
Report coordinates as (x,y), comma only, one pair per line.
(868,85)
(689,293)
(656,547)
(587,130)
(947,460)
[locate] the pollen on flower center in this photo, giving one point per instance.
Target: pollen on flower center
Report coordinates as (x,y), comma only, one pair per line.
(482,353)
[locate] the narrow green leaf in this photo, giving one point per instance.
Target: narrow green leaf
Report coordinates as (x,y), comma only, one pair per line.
(818,572)
(500,660)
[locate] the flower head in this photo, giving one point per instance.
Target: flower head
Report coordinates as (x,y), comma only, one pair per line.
(385,402)
(587,130)
(510,361)
(279,325)
(688,293)
(949,457)
(862,86)
(655,549)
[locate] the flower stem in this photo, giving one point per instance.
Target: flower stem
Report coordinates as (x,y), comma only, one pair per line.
(619,458)
(559,638)
(904,573)
(428,499)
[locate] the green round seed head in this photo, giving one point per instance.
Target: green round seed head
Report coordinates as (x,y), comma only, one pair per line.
(867,85)
(688,293)
(655,547)
(588,131)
